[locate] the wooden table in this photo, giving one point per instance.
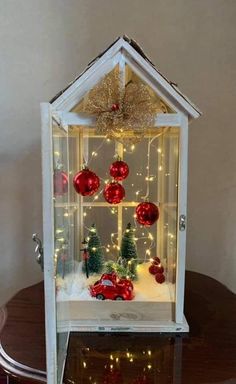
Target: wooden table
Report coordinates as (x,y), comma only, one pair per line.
(206,355)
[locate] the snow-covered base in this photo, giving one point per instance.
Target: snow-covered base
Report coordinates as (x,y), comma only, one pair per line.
(74,287)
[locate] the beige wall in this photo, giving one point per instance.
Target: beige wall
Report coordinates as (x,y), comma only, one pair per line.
(46,43)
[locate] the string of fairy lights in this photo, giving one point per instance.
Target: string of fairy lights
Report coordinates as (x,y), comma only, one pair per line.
(146,236)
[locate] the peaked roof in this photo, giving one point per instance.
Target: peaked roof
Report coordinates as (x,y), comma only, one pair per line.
(132,43)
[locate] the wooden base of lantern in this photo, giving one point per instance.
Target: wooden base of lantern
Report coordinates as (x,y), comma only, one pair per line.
(109,316)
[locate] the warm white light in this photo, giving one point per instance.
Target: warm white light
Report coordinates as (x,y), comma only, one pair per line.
(160,168)
(84,214)
(150,236)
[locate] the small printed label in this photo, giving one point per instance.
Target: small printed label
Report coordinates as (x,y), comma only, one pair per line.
(114,329)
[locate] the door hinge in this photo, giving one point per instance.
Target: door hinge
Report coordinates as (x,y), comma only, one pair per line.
(182,222)
(38,249)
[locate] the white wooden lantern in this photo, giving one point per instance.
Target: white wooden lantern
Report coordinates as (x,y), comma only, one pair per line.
(68,139)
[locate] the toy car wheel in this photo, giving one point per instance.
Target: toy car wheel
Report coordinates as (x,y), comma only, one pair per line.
(100,297)
(119,298)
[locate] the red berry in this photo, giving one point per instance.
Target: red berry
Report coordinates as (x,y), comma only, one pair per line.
(153,269)
(156,268)
(160,278)
(156,260)
(115,107)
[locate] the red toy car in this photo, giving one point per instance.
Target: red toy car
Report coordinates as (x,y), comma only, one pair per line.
(111,287)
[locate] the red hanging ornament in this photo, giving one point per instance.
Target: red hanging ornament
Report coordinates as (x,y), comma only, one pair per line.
(147,213)
(160,278)
(86,182)
(60,181)
(114,193)
(119,170)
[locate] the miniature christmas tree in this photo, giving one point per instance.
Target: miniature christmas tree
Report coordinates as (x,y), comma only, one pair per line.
(96,259)
(113,266)
(128,252)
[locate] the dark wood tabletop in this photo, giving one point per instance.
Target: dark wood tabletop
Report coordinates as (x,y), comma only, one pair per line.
(206,355)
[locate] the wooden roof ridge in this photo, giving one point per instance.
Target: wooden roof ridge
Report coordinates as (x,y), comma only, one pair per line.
(140,51)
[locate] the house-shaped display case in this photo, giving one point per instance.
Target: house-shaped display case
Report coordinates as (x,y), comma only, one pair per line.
(106,268)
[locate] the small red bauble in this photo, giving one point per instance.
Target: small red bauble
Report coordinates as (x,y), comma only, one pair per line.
(60,181)
(156,260)
(114,193)
(119,170)
(160,278)
(86,182)
(147,213)
(115,107)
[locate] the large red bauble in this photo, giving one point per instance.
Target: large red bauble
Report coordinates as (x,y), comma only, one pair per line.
(86,182)
(114,193)
(60,181)
(147,213)
(119,170)
(160,278)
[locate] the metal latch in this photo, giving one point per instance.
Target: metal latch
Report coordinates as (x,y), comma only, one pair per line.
(38,250)
(182,222)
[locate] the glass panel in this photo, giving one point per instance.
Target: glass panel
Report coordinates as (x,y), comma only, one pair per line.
(63,236)
(131,358)
(153,176)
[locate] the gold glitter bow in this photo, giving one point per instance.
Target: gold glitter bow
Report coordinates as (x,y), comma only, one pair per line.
(122,113)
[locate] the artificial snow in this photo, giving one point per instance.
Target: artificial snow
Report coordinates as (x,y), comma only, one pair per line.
(75,286)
